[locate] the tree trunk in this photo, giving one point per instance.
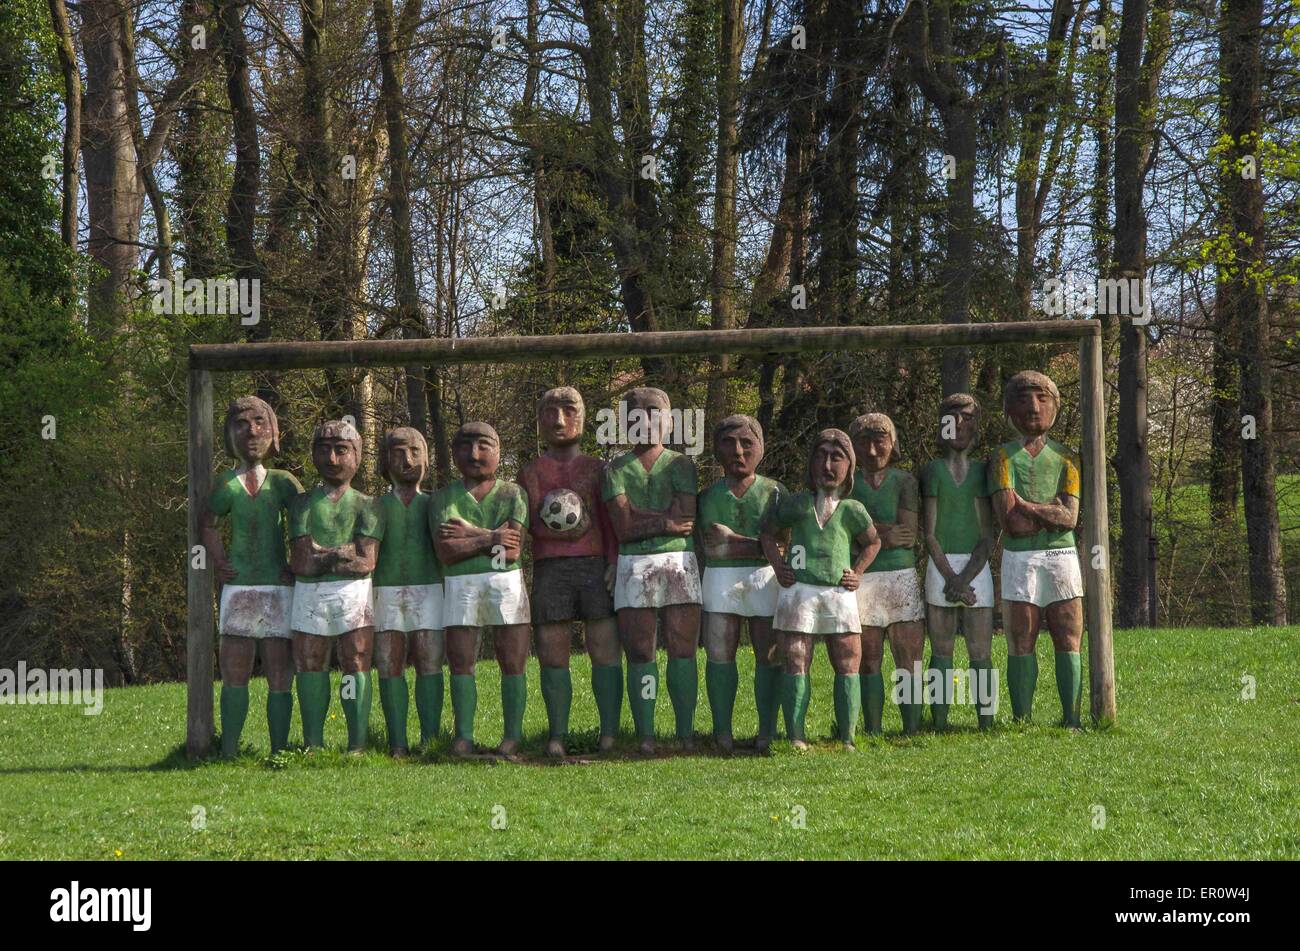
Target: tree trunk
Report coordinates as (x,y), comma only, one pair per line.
(1225,420)
(722,280)
(1239,69)
(72,124)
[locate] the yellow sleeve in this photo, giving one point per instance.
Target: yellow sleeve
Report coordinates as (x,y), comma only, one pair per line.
(1070,476)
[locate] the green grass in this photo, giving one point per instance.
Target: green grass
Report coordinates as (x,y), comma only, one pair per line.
(1191,771)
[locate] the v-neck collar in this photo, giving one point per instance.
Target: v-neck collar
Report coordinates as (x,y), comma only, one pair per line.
(748,489)
(636,461)
(392,490)
(470,495)
(261,483)
(970,465)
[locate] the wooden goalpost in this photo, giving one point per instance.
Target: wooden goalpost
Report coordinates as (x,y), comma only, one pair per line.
(206,358)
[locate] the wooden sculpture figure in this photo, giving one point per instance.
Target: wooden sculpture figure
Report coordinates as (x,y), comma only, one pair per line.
(408,592)
(574,559)
(1034,482)
(739,586)
(256,586)
(335,534)
(819,575)
(650,491)
(959,538)
(477,523)
(889,598)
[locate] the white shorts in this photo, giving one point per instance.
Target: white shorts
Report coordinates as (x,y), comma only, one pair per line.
(816,609)
(1041,577)
(656,581)
(331,608)
(982,583)
(255,610)
(486,599)
(887,597)
(408,607)
(745,590)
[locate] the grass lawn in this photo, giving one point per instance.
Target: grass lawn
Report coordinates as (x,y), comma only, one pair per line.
(1192,771)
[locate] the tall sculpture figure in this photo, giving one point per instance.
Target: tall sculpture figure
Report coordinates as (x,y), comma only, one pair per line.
(819,575)
(574,559)
(889,598)
(1035,490)
(408,592)
(650,491)
(959,538)
(740,587)
(477,523)
(335,533)
(256,586)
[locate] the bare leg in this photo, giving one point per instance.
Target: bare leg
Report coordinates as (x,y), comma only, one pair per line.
(798,650)
(1065,623)
(277,663)
(768,668)
(235,659)
(907,644)
(721,638)
(1023,620)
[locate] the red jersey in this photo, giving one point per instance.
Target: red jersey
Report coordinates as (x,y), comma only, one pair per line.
(581,475)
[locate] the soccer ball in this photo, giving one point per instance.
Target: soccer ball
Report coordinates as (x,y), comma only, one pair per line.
(562,511)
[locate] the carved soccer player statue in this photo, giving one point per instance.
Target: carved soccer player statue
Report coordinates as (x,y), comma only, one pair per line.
(477,523)
(408,592)
(1034,481)
(574,559)
(256,586)
(819,575)
(739,586)
(650,491)
(335,534)
(889,598)
(959,538)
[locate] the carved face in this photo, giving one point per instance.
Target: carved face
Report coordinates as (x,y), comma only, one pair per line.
(1033,411)
(477,457)
(874,449)
(649,420)
(739,452)
(829,466)
(335,459)
(966,421)
(407,461)
(560,421)
(252,433)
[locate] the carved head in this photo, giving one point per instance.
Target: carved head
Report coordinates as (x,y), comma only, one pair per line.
(649,416)
(959,419)
(738,445)
(476,450)
(251,431)
(875,441)
(561,416)
(1031,402)
(336,451)
(404,456)
(831,463)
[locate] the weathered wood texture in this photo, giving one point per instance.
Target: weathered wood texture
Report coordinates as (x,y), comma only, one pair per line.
(198,646)
(1096,533)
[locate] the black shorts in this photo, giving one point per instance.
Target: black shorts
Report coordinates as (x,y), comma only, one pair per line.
(570,589)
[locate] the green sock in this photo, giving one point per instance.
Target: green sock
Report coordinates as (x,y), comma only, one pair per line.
(557,694)
(720,682)
(1022,678)
(279,712)
(428,704)
(794,703)
(643,707)
(1069,684)
(514,696)
(607,685)
(464,698)
(684,691)
(314,704)
(873,702)
(939,708)
(234,711)
(767,697)
(986,693)
(356,709)
(395,698)
(848,698)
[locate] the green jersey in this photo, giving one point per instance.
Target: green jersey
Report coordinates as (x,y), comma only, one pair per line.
(406,557)
(956,522)
(257,524)
(1038,478)
(505,502)
(896,494)
(744,515)
(824,552)
(651,491)
(332,524)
